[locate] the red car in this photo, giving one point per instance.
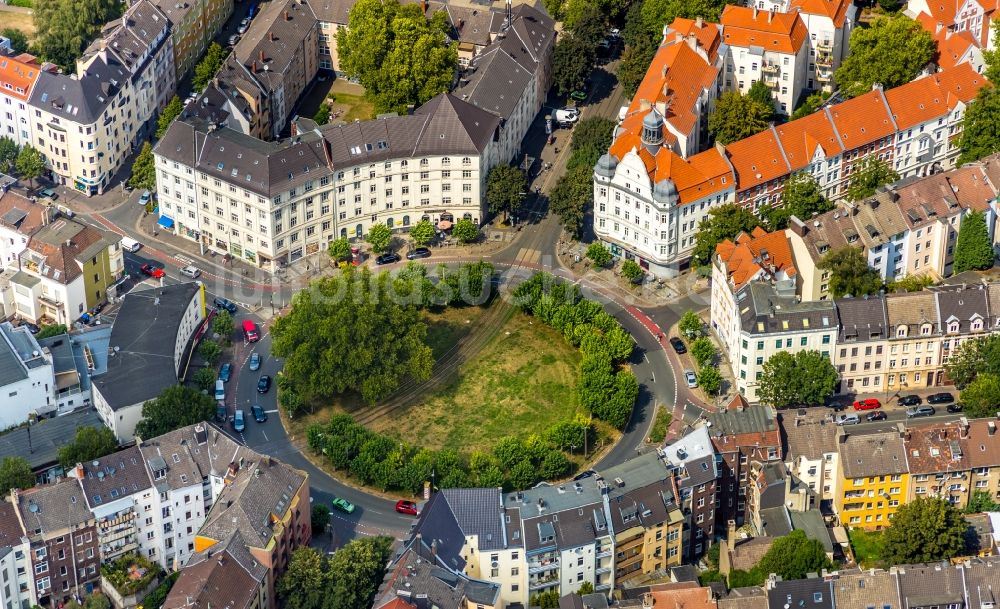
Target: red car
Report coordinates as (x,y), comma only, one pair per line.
(867,404)
(406,507)
(152,271)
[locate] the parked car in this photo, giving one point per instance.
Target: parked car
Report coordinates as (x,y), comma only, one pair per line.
(250,332)
(420,252)
(152,271)
(254,361)
(225,372)
(578,95)
(244,24)
(225,303)
(566,116)
(145,197)
(339,503)
(692,380)
(258,413)
(867,404)
(940,398)
(910,400)
(956,407)
(919,411)
(876,416)
(406,507)
(839,406)
(239,422)
(220,390)
(234,39)
(678,345)
(220,413)
(263,383)
(388,258)
(848,419)
(49,193)
(191,272)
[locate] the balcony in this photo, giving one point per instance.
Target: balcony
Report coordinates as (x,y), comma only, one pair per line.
(545,565)
(543,582)
(824,45)
(601,570)
(603,554)
(770,68)
(824,59)
(824,76)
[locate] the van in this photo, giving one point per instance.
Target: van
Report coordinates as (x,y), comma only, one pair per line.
(220,390)
(250,332)
(130,245)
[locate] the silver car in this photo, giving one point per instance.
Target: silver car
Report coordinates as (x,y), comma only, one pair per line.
(848,419)
(692,380)
(191,272)
(254,361)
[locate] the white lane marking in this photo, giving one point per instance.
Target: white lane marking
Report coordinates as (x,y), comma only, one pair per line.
(265,436)
(275,411)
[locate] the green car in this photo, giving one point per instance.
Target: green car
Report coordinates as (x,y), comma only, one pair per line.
(578,95)
(343,505)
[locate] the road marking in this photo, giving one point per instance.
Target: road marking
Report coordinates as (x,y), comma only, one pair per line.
(275,411)
(183,259)
(265,435)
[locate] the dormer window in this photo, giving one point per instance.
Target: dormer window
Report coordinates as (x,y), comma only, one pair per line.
(925,329)
(901,331)
(953,327)
(977,325)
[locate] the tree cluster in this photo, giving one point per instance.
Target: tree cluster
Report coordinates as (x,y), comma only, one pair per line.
(175,407)
(209,65)
(606,389)
(924,530)
(973,250)
(873,173)
(51,330)
(15,472)
(801,198)
(348,579)
(723,222)
(573,193)
(576,49)
(850,273)
(738,116)
(66,27)
(172,110)
(388,464)
(890,52)
(791,557)
(399,56)
(469,284)
(88,444)
(18,39)
(806,378)
(975,370)
(506,188)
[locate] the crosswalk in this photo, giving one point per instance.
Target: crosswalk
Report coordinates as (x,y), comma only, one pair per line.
(526,256)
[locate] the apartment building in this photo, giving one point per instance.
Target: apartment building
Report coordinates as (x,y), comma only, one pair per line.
(873,475)
(692,461)
(19,219)
(938,459)
(226,576)
(758,256)
(266,503)
(968,17)
(742,436)
(273,203)
(151,335)
(768,46)
(193,26)
(809,441)
(18,74)
(417,573)
(911,127)
(862,344)
(70,375)
(16,591)
(63,549)
(86,124)
(26,381)
(915,350)
(983,455)
(66,269)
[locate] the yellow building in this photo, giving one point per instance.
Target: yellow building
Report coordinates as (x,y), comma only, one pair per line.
(195,23)
(874,477)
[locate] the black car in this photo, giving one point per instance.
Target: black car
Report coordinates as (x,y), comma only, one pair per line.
(258,413)
(956,407)
(263,383)
(220,413)
(838,406)
(387,259)
(877,416)
(420,252)
(678,345)
(223,303)
(940,398)
(910,400)
(584,475)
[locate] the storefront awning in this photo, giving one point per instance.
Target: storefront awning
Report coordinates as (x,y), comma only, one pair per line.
(166,222)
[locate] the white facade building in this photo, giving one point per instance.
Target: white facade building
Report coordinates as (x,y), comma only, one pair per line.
(25,377)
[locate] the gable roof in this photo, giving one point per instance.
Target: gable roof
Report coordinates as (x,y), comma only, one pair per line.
(749,27)
(54,507)
(220,578)
(878,453)
(18,75)
(755,253)
(65,245)
(836,10)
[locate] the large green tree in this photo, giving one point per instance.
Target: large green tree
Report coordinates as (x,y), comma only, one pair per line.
(339,249)
(981,501)
(866,179)
(973,250)
(810,104)
(801,198)
(658,13)
(355,572)
(922,531)
(397,54)
(465,231)
(571,63)
(350,333)
(723,222)
(572,195)
(506,188)
(973,357)
(806,378)
(891,51)
(737,117)
(30,163)
(144,169)
(591,139)
(304,583)
(761,93)
(172,110)
(981,397)
(174,408)
(794,556)
(15,472)
(66,27)
(599,254)
(8,153)
(710,379)
(422,232)
(209,65)
(18,39)
(981,126)
(635,63)
(992,57)
(379,236)
(850,273)
(89,443)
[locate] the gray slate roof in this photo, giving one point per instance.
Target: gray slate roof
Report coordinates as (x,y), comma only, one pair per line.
(12,368)
(755,419)
(880,453)
(114,476)
(46,438)
(862,319)
(226,576)
(276,34)
(132,36)
(54,507)
(930,585)
(814,593)
(191,454)
(144,334)
(84,99)
(476,511)
(420,579)
(765,312)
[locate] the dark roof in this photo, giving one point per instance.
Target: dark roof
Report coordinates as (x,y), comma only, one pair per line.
(226,576)
(66,244)
(879,453)
(80,99)
(12,368)
(113,477)
(982,582)
(421,580)
(930,585)
(142,338)
(963,305)
(47,436)
(565,530)
(764,312)
(132,37)
(476,511)
(438,527)
(754,419)
(810,434)
(813,593)
(53,507)
(11,530)
(191,455)
(862,319)
(277,34)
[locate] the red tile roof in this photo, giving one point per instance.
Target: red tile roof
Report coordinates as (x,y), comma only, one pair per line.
(758,159)
(862,120)
(743,258)
(933,96)
(748,27)
(18,75)
(709,35)
(836,10)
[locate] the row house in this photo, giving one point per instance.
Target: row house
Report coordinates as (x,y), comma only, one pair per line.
(768,46)
(873,476)
(17,588)
(272,203)
(86,124)
(779,503)
(862,344)
(953,460)
(970,18)
(18,75)
(193,26)
(27,384)
(742,437)
(809,445)
(911,127)
(226,575)
(695,471)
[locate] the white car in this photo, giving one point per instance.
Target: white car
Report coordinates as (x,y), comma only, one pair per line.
(191,272)
(692,380)
(243,26)
(567,116)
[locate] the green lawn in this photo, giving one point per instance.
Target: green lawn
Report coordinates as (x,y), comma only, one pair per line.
(350,107)
(658,432)
(522,382)
(867,546)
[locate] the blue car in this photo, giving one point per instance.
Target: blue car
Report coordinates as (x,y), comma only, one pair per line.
(225,372)
(239,422)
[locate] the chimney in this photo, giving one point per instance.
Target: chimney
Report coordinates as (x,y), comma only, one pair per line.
(963,428)
(731,531)
(938,27)
(797,226)
(261,55)
(692,41)
(253,67)
(287,17)
(755,12)
(270,36)
(770,15)
(947,34)
(648,600)
(699,22)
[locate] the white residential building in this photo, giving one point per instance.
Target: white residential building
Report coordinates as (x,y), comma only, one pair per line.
(811,443)
(25,377)
(18,74)
(19,219)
